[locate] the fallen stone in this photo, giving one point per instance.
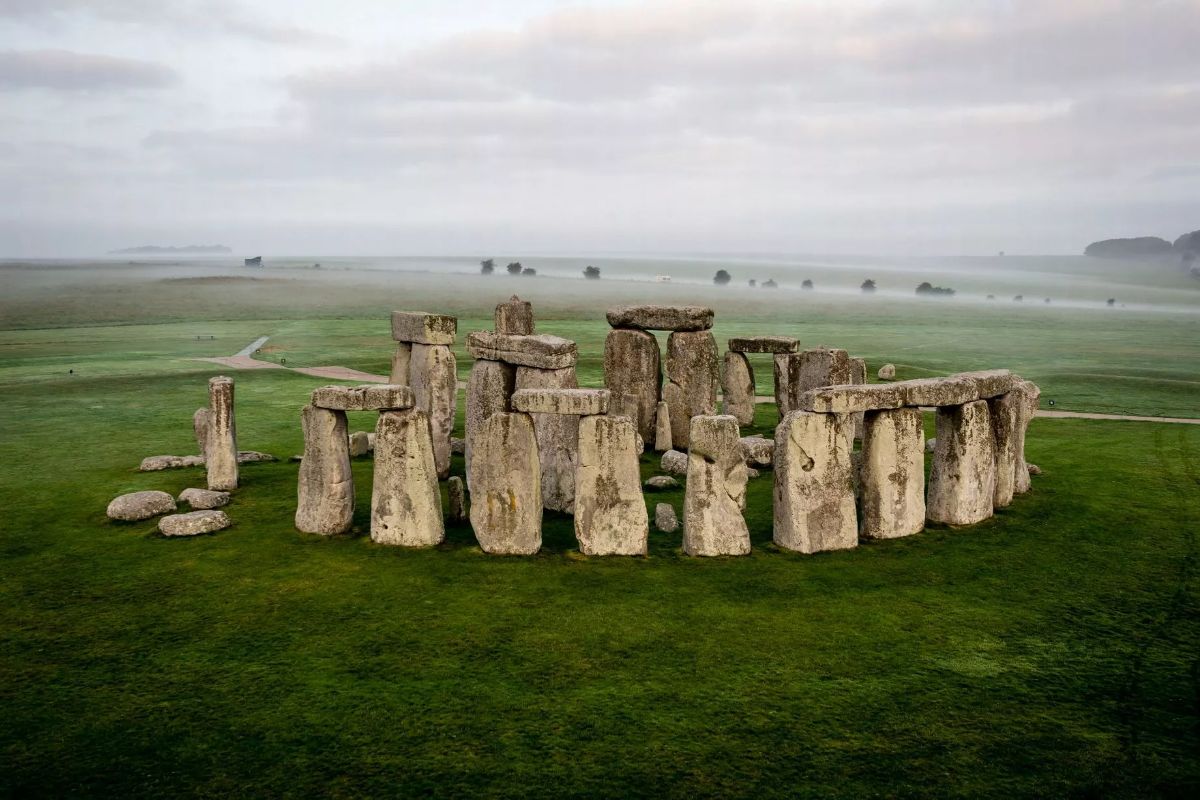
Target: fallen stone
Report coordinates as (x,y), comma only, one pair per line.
(159,463)
(764,344)
(220,454)
(254,457)
(434,377)
(962,480)
(651,317)
(610,512)
(693,375)
(514,317)
(557,438)
(992,382)
(937,392)
(193,523)
(751,473)
(540,351)
(850,399)
(325,485)
(737,386)
(661,482)
(456,499)
(1033,469)
(632,365)
(757,450)
(418,327)
(489,390)
(204,499)
(458,446)
(674,462)
(137,506)
(200,426)
(892,474)
(577,402)
(359,444)
(887,372)
(368,397)
(506,494)
(662,428)
(814,491)
(401,364)
(665,519)
(713,524)
(406,506)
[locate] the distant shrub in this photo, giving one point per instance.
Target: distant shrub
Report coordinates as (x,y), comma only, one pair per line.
(514,268)
(928,289)
(752,283)
(528,272)
(722,277)
(808,284)
(868,286)
(770,284)
(591,273)
(487,266)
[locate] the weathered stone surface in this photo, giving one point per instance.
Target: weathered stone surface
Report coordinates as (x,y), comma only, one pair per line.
(359,444)
(737,386)
(992,382)
(406,506)
(456,499)
(401,364)
(489,390)
(419,327)
(892,474)
(434,376)
(539,350)
(952,391)
(713,524)
(325,486)
(1031,393)
(693,374)
(506,493)
(850,399)
(814,492)
(200,426)
(662,428)
(204,499)
(665,519)
(220,454)
(674,462)
(1005,413)
(137,506)
(514,316)
(458,446)
(193,523)
(815,368)
(763,344)
(253,457)
(610,512)
(557,438)
(577,402)
(632,365)
(751,473)
(1033,469)
(626,405)
(367,397)
(661,482)
(858,377)
(782,367)
(159,463)
(887,372)
(962,480)
(757,450)
(930,445)
(652,317)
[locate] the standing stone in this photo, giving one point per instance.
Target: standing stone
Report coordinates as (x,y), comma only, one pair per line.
(489,390)
(406,507)
(662,428)
(1005,413)
(892,474)
(692,380)
(783,363)
(401,361)
(962,481)
(220,456)
(632,366)
(814,489)
(610,512)
(200,426)
(456,496)
(325,490)
(713,524)
(665,519)
(557,438)
(514,316)
(1027,410)
(360,444)
(434,380)
(737,384)
(506,493)
(858,377)
(813,369)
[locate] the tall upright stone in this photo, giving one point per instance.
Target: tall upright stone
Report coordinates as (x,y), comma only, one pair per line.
(737,385)
(782,368)
(220,457)
(962,480)
(325,487)
(557,438)
(514,316)
(662,428)
(814,489)
(506,494)
(456,499)
(406,506)
(858,377)
(1030,391)
(201,421)
(610,512)
(632,366)
(489,389)
(692,379)
(401,364)
(892,474)
(716,490)
(434,380)
(1005,413)
(812,369)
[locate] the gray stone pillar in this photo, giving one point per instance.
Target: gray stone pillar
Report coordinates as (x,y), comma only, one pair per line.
(662,428)
(406,506)
(893,474)
(632,365)
(325,489)
(514,316)
(716,488)
(506,494)
(488,391)
(962,481)
(737,385)
(456,499)
(401,361)
(200,425)
(1005,413)
(1028,409)
(220,457)
(692,380)
(434,379)
(557,438)
(610,512)
(814,490)
(783,363)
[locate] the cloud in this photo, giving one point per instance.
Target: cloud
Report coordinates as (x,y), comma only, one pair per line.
(64,70)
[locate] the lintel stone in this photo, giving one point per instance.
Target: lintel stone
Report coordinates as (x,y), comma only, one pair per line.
(368,397)
(541,351)
(653,317)
(420,327)
(576,402)
(764,344)
(850,399)
(992,382)
(952,391)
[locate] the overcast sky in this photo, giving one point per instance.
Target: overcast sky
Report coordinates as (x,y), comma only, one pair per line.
(525,126)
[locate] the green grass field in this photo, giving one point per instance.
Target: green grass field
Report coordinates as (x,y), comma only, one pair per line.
(1051,651)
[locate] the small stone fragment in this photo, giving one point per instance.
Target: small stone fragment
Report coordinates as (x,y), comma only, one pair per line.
(674,462)
(930,445)
(758,450)
(458,446)
(665,519)
(662,482)
(204,499)
(137,506)
(887,372)
(1033,469)
(193,523)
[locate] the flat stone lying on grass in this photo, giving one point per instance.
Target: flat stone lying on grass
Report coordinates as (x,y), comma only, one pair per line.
(368,397)
(193,523)
(850,399)
(576,402)
(654,317)
(419,327)
(201,499)
(713,524)
(661,482)
(758,450)
(887,372)
(665,519)
(763,344)
(254,457)
(159,463)
(136,506)
(674,462)
(937,392)
(541,351)
(514,316)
